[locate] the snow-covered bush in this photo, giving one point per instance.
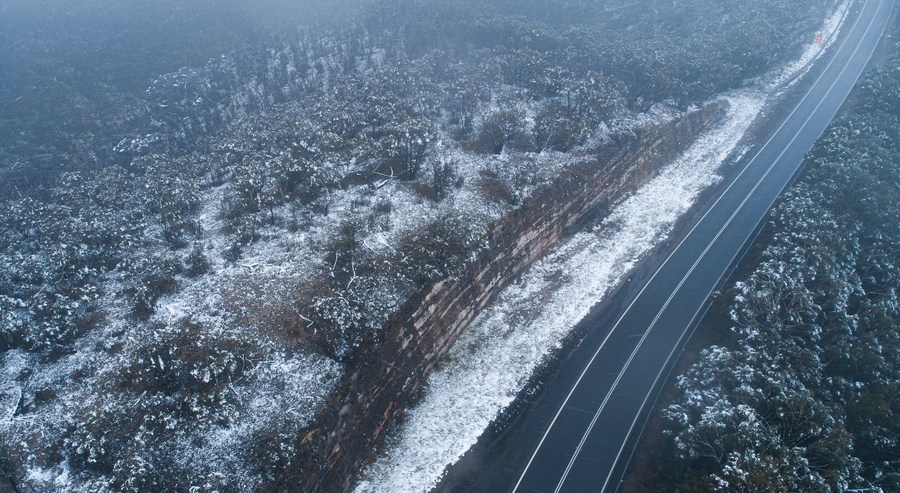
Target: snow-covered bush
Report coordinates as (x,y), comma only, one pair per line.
(148,278)
(501,130)
(444,248)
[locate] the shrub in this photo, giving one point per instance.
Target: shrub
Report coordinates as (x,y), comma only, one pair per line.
(500,129)
(148,279)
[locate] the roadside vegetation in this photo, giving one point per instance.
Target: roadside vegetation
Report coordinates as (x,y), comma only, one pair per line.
(800,391)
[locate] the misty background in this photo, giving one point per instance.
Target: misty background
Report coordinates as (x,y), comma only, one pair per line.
(70,70)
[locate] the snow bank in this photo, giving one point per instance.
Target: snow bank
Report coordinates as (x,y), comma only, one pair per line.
(792,72)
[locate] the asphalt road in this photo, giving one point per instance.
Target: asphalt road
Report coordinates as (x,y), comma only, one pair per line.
(576,434)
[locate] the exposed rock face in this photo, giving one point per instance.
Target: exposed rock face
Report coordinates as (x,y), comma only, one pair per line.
(371,397)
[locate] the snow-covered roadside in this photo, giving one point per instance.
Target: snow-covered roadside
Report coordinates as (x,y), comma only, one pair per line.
(497,355)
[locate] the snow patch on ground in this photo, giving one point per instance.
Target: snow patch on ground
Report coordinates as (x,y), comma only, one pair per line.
(792,72)
(496,356)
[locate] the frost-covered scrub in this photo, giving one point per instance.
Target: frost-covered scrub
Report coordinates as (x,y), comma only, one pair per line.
(177,306)
(805,398)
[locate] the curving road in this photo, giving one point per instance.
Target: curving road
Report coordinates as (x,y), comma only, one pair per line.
(577,434)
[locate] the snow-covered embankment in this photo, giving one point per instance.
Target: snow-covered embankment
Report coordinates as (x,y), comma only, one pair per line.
(502,348)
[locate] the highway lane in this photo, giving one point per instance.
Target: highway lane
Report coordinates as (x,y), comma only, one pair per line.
(575,436)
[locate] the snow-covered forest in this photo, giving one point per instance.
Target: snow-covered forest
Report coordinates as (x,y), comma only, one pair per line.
(199,237)
(800,391)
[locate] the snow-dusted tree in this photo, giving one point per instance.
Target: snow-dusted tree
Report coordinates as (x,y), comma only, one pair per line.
(171,194)
(444,175)
(409,143)
(501,128)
